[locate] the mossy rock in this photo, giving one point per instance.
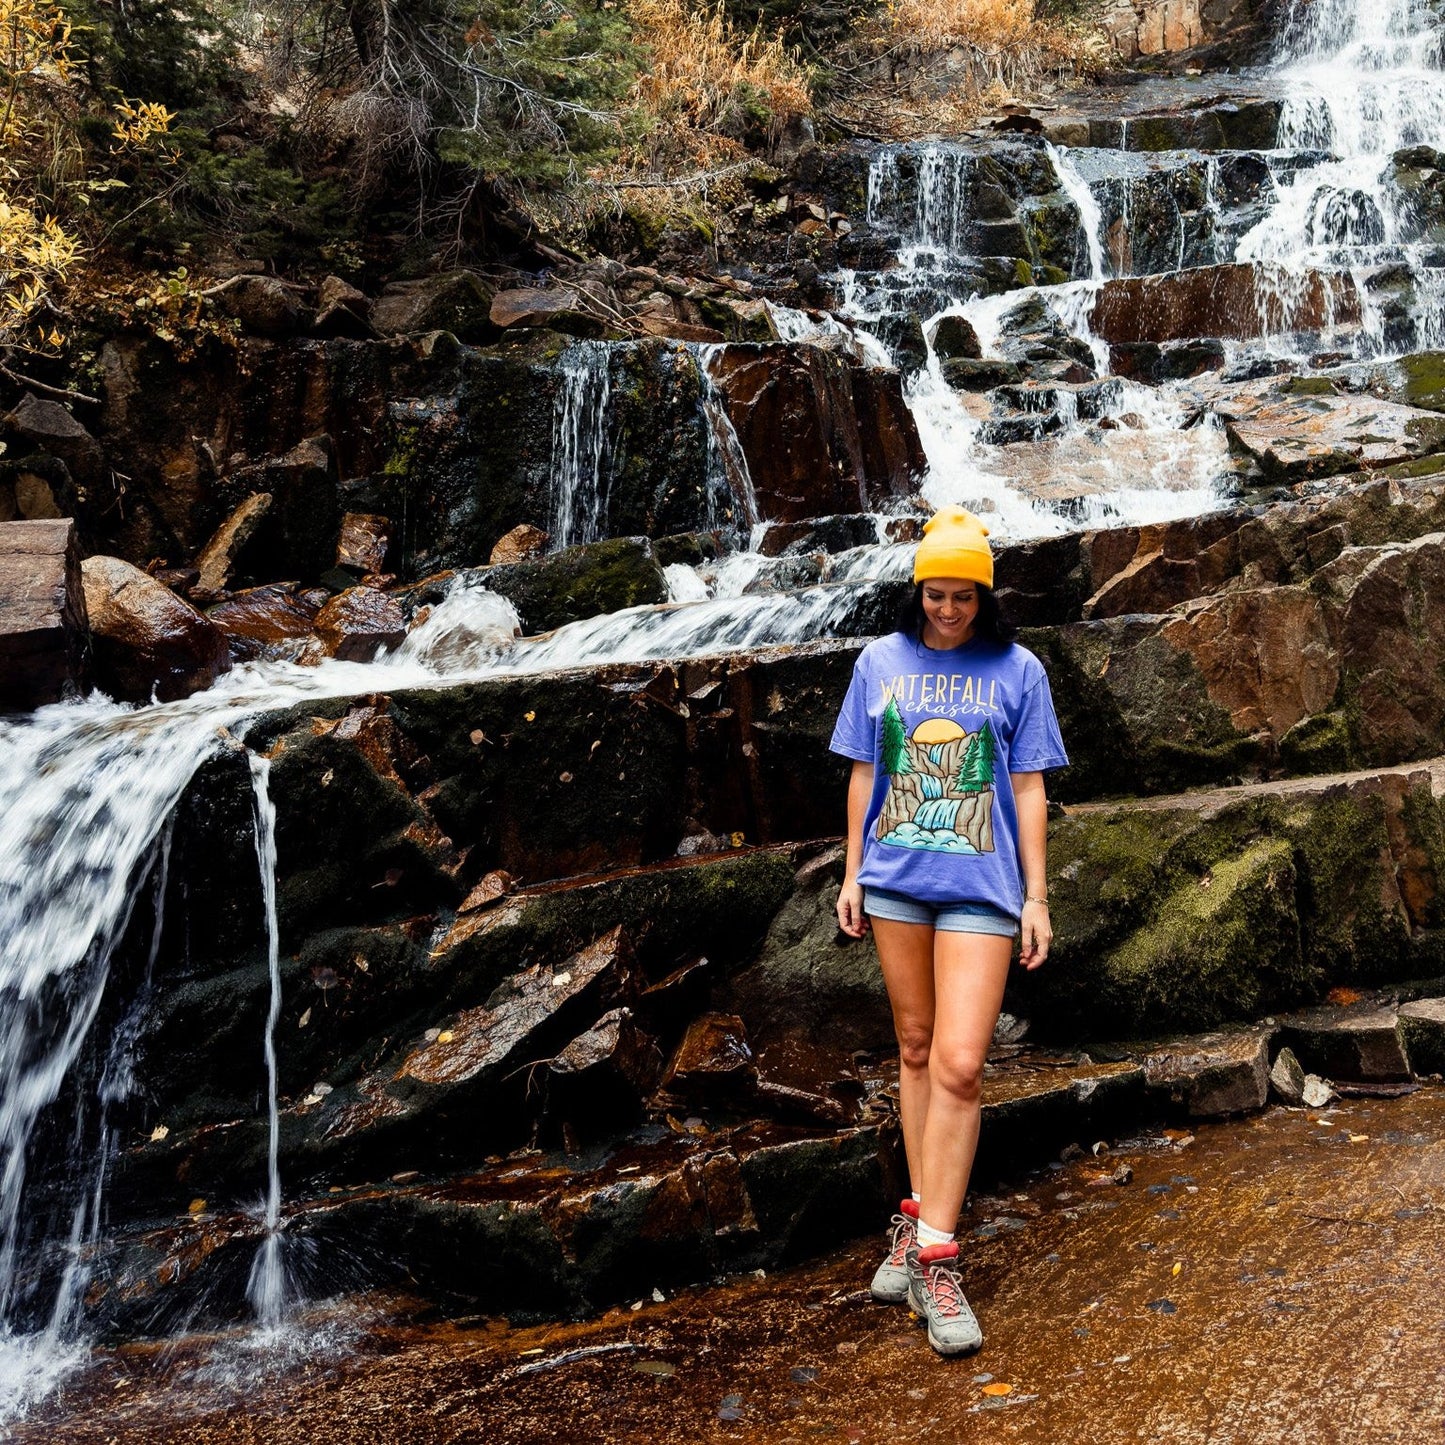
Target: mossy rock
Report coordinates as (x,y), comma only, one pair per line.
(578,582)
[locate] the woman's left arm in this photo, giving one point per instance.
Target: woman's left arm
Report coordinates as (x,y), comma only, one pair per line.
(1032,808)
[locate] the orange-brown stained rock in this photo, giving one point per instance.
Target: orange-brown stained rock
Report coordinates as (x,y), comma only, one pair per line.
(363,541)
(1304,1307)
(483,1037)
(271,621)
(358,622)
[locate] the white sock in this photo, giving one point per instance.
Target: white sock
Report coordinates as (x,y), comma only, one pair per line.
(915,1197)
(928,1235)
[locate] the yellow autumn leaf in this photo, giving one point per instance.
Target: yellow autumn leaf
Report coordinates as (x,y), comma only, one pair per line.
(445,1037)
(998,1388)
(196,1206)
(1176,1269)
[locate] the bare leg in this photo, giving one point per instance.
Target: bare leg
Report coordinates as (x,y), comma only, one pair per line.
(970,970)
(905,951)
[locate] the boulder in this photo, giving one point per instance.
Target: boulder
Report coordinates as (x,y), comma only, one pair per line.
(51,429)
(363,543)
(145,639)
(578,582)
(217,559)
(456,301)
(1422,1027)
(1236,301)
(954,337)
(264,305)
(712,1066)
(524,541)
(270,622)
(1212,1076)
(358,623)
(296,534)
(342,310)
(1354,1044)
(821,433)
(42,614)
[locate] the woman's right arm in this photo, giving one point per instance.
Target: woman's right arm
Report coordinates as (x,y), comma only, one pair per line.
(851,918)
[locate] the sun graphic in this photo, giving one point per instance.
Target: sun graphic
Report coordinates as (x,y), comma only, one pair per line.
(937,730)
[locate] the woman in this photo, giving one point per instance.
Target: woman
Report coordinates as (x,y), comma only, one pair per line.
(950,726)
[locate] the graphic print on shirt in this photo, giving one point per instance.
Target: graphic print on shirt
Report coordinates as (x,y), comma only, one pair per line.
(940,785)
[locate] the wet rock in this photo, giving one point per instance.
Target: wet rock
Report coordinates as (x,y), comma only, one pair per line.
(1422,1027)
(50,428)
(342,310)
(1287,1078)
(1234,301)
(599,1080)
(144,638)
(810,979)
(296,536)
(455,301)
(968,374)
(712,1065)
(358,623)
(1294,436)
(822,433)
(363,543)
(217,558)
(42,614)
(265,622)
(264,305)
(1361,1045)
(523,542)
(955,337)
(819,534)
(577,582)
(556,308)
(1213,1075)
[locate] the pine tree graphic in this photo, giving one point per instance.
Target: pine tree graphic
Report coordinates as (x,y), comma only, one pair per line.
(975,771)
(895,741)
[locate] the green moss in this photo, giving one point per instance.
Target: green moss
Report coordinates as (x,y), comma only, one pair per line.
(1319,744)
(1306,386)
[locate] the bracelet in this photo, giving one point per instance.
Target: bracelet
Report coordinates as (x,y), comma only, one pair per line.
(1029,898)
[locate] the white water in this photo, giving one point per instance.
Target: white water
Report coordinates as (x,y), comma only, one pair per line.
(266,1288)
(580,443)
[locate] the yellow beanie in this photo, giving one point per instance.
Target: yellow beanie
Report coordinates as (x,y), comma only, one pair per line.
(954,545)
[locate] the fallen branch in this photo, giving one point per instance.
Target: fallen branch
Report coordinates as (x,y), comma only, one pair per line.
(61,393)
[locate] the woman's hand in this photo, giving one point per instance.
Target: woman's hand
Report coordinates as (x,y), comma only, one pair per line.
(1036,933)
(851,918)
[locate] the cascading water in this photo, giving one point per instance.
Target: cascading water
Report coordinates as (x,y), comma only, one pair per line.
(266,1288)
(579,451)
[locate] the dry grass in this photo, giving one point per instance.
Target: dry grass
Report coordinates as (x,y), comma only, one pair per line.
(705,74)
(989,25)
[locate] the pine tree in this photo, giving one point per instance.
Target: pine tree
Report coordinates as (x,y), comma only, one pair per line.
(895,741)
(975,770)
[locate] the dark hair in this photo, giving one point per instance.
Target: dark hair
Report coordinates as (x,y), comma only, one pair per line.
(990,624)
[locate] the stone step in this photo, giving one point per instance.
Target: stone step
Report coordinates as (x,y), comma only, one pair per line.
(42,614)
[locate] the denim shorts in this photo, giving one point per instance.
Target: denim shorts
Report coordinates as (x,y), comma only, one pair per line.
(950,917)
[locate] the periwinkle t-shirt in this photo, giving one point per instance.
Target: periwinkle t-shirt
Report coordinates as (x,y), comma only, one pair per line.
(943,730)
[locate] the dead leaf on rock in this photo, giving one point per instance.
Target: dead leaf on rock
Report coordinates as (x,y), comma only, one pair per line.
(661,1368)
(158,1133)
(998,1387)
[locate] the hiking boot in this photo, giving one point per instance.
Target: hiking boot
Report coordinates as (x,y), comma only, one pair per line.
(935,1291)
(890,1283)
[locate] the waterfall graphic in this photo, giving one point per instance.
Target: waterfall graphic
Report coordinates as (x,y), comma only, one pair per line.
(940,785)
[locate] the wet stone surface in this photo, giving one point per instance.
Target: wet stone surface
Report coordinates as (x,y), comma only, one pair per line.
(1275,1277)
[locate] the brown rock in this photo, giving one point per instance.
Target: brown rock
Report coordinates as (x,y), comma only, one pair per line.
(712,1062)
(264,305)
(665,325)
(50,428)
(1218,301)
(42,613)
(600,1079)
(265,622)
(1212,1075)
(822,434)
(533,306)
(521,543)
(146,639)
(455,301)
(218,557)
(342,310)
(362,545)
(358,623)
(1355,1044)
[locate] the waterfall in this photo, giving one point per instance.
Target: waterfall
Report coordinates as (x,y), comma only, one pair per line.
(1090,216)
(729,483)
(579,449)
(1362,82)
(267,1286)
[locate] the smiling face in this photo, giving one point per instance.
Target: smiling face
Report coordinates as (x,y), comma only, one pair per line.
(950,606)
